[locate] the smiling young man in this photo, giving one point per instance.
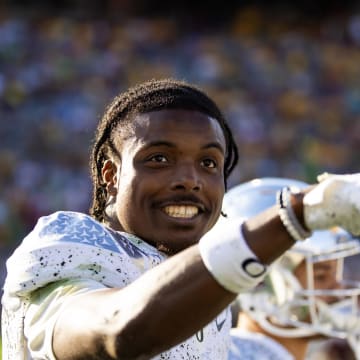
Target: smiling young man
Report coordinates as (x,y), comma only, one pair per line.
(142,276)
(170,174)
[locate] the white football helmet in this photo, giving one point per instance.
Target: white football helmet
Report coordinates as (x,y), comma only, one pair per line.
(280,304)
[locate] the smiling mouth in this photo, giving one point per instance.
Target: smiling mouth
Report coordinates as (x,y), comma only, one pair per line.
(181,211)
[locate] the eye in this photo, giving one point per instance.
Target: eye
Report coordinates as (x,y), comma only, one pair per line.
(158,158)
(320,278)
(209,163)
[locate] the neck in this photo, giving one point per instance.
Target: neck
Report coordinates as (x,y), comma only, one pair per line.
(295,346)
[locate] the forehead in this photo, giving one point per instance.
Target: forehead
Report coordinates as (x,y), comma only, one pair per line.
(168,124)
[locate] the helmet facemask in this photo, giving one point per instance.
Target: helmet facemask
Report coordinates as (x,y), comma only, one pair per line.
(286,305)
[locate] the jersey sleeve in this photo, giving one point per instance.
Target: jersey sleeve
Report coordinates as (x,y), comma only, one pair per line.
(45,307)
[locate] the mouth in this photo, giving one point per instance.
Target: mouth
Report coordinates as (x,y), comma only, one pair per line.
(181,211)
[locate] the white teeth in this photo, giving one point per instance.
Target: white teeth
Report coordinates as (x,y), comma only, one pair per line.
(181,211)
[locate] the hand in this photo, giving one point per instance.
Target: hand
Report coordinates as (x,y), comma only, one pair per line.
(335,201)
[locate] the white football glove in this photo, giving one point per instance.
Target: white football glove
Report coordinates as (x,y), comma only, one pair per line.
(335,201)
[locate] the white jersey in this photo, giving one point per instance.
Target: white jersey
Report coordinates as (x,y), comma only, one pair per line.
(70,253)
(247,345)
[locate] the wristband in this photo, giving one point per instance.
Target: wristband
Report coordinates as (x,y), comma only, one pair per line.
(229,259)
(288,217)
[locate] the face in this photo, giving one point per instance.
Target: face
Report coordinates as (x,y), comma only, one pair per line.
(169,182)
(325,277)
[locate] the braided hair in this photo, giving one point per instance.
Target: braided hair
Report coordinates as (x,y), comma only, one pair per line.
(150,96)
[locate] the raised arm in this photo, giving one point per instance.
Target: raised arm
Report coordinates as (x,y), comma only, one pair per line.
(177,298)
(162,308)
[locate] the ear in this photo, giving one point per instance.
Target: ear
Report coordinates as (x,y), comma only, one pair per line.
(109,176)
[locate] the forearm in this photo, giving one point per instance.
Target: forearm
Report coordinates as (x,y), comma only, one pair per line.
(173,301)
(266,235)
(159,310)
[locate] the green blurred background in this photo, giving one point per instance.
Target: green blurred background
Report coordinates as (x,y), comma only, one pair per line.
(287,77)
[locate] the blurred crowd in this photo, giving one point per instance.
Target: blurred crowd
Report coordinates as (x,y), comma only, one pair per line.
(289,86)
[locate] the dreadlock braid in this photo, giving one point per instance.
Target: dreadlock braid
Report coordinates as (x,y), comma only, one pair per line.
(146,97)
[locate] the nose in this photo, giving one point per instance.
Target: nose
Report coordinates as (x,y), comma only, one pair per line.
(186,178)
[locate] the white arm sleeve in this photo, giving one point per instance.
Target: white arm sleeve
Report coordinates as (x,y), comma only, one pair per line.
(46,305)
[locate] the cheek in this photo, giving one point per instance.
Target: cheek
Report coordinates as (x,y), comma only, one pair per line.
(128,180)
(327,283)
(217,207)
(219,192)
(127,188)
(301,277)
(127,208)
(133,190)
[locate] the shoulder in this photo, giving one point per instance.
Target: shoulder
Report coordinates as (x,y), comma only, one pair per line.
(69,227)
(61,221)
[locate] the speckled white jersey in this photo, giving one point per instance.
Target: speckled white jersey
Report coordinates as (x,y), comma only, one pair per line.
(254,346)
(73,246)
